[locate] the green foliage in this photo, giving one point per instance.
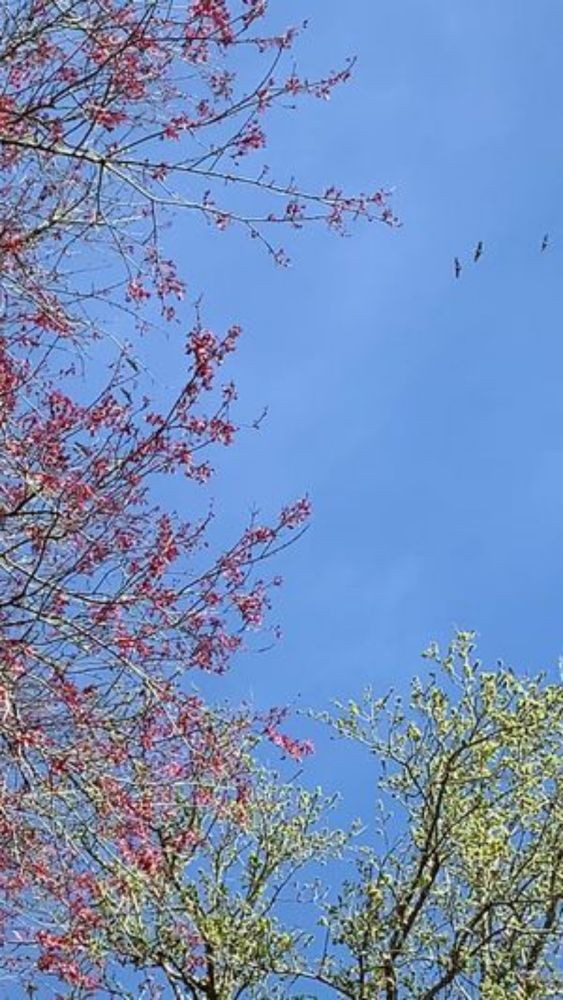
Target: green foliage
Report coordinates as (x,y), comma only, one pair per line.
(214,922)
(454,891)
(466,902)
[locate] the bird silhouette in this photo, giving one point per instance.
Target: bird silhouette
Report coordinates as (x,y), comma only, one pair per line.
(457,267)
(478,251)
(545,242)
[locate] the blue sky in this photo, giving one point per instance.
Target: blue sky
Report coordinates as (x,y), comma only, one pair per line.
(424,416)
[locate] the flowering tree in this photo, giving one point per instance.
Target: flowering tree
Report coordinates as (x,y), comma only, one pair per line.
(111,112)
(114,116)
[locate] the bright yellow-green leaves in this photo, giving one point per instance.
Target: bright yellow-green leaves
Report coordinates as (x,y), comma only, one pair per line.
(454,890)
(473,908)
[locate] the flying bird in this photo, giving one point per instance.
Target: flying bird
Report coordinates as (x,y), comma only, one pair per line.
(457,267)
(478,251)
(545,242)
